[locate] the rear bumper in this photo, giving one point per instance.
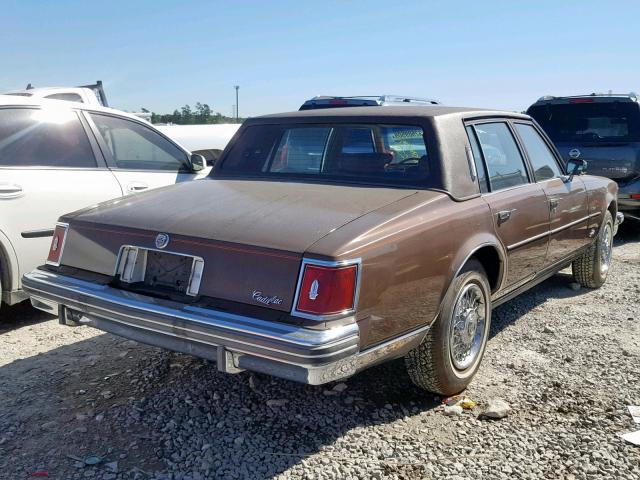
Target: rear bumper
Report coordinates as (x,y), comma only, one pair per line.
(618,220)
(235,342)
(629,206)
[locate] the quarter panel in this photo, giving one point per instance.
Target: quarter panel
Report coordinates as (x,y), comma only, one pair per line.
(410,252)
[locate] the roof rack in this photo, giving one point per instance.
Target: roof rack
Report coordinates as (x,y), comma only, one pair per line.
(631,95)
(329,101)
(97,88)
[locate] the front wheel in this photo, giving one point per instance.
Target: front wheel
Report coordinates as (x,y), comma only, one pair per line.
(450,354)
(592,268)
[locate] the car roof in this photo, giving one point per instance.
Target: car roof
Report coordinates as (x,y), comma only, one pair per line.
(35,90)
(22,101)
(423,111)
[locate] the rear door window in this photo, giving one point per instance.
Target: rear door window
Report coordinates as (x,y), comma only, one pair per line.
(136,147)
(43,138)
(542,159)
(505,165)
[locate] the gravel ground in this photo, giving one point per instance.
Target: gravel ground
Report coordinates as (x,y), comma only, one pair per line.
(566,360)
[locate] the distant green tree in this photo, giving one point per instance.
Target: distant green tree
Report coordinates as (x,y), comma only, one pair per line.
(201,114)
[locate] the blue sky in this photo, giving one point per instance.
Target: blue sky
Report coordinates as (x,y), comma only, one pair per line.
(163,54)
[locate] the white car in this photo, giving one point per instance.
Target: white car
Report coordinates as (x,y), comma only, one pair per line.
(57,157)
(207,140)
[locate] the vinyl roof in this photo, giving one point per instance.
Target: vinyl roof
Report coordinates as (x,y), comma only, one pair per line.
(392,111)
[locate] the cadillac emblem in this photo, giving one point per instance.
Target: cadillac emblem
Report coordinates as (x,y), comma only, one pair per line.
(574,153)
(162,240)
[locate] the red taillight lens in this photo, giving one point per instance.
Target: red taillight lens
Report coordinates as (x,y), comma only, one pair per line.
(338,101)
(635,196)
(581,100)
(57,244)
(327,290)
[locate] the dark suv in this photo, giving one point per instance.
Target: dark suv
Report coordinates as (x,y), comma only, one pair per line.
(327,101)
(604,130)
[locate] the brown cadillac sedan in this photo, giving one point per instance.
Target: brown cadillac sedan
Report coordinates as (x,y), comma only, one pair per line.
(325,242)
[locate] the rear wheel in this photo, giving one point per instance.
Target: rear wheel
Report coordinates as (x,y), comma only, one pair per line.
(449,356)
(592,267)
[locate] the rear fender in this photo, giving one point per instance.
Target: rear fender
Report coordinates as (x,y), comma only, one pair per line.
(466,252)
(611,199)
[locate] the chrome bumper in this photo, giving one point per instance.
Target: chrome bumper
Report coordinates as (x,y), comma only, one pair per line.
(235,342)
(618,220)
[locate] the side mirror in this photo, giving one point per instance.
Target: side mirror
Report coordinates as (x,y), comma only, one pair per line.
(575,166)
(198,162)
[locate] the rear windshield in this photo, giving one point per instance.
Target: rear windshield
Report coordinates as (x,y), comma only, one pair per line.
(589,122)
(385,154)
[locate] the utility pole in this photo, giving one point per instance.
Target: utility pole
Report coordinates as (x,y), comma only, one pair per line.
(237,87)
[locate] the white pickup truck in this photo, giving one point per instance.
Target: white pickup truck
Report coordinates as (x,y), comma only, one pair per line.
(89,94)
(60,156)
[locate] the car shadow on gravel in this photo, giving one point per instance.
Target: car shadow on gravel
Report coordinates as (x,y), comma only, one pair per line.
(20,315)
(160,411)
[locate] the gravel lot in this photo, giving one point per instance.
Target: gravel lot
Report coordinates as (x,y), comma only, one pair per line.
(566,360)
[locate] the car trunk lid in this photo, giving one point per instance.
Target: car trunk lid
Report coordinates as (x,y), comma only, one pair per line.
(250,234)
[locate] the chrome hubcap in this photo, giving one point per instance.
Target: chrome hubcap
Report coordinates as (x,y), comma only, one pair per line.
(606,248)
(467,326)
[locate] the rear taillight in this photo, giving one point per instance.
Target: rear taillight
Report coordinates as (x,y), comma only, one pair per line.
(326,289)
(635,196)
(57,244)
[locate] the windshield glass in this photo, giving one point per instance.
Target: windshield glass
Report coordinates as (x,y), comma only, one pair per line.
(590,122)
(386,154)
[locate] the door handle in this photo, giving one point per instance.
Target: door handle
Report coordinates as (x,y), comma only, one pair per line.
(504,215)
(137,187)
(10,190)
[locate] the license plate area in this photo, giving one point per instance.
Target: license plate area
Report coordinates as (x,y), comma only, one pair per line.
(160,271)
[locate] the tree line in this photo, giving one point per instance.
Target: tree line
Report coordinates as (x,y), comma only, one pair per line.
(201,114)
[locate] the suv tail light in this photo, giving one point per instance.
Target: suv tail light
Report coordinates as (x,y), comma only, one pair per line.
(57,244)
(326,289)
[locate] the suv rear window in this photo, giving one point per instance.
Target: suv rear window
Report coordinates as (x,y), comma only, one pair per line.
(589,122)
(388,154)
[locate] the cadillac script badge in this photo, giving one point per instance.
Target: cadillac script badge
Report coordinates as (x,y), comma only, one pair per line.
(258,296)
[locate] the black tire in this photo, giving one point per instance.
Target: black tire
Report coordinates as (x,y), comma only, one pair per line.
(431,365)
(589,269)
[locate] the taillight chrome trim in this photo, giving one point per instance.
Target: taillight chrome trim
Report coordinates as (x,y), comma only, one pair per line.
(65,226)
(326,263)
